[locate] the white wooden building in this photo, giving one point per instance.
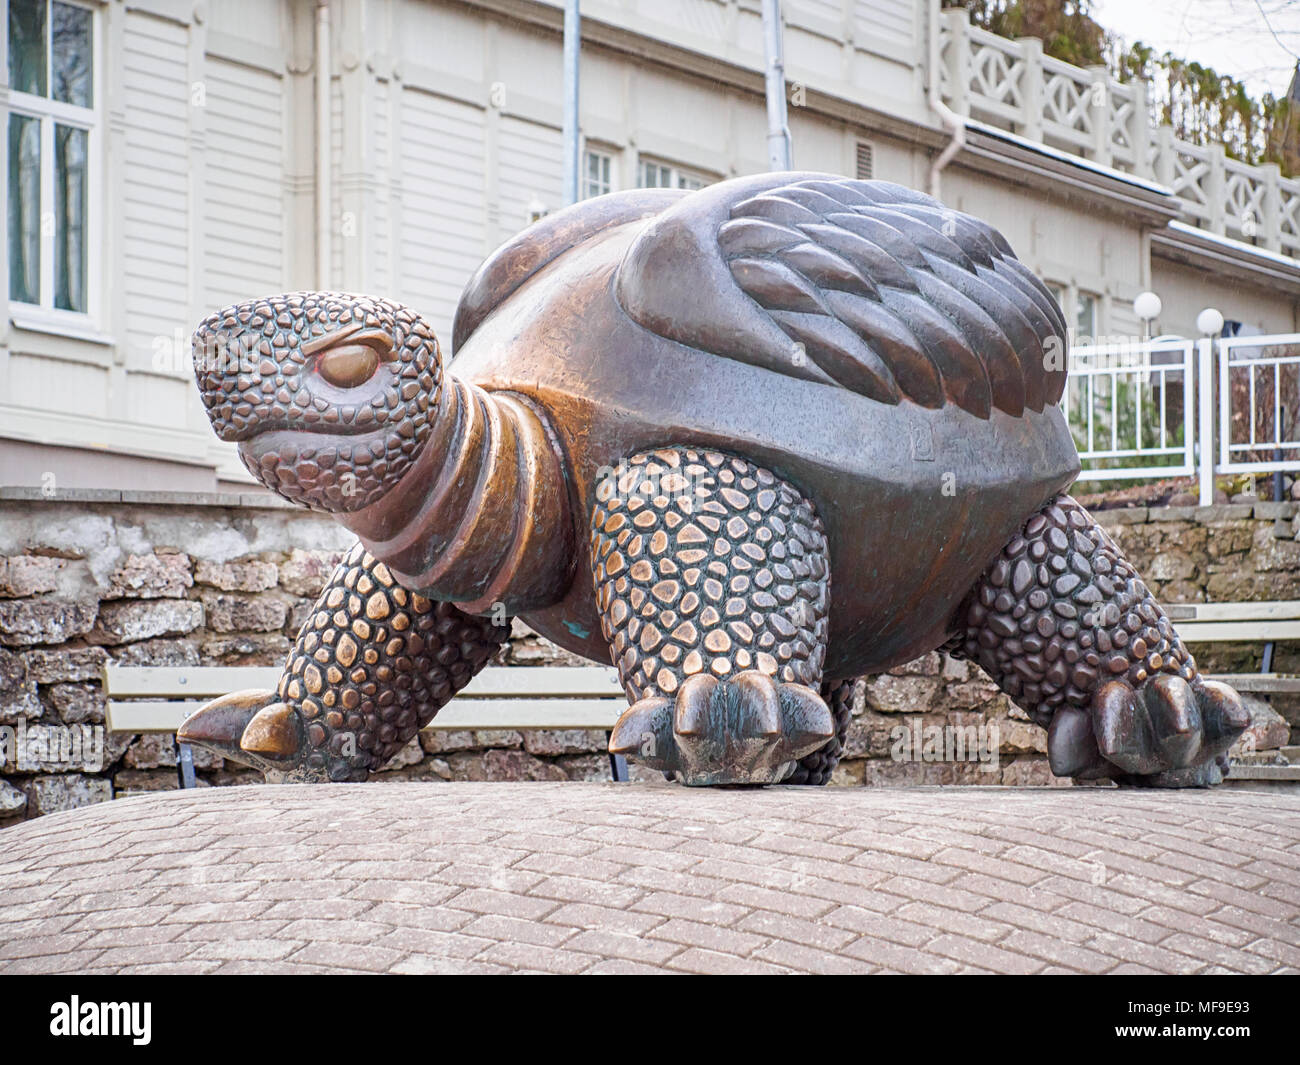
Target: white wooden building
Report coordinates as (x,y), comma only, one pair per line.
(161,160)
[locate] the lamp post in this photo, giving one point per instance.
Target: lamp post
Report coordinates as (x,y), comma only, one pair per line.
(1147,307)
(1209,323)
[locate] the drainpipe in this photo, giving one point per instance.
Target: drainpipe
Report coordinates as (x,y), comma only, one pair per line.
(952,121)
(778,127)
(324,192)
(572,51)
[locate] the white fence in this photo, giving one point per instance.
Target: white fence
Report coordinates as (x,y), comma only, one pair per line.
(1130,408)
(1259,393)
(1147,410)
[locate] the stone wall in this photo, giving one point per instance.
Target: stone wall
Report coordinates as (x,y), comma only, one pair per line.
(166,580)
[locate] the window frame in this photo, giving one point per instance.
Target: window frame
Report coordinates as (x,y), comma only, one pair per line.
(611,155)
(677,172)
(49,113)
(1070,296)
(1082,297)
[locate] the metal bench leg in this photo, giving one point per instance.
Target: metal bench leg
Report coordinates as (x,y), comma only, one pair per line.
(185,765)
(617,766)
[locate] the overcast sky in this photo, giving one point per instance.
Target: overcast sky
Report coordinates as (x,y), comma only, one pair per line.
(1232,36)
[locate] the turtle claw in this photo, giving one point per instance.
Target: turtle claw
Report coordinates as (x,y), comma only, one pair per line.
(744,730)
(274,732)
(1167,733)
(251,727)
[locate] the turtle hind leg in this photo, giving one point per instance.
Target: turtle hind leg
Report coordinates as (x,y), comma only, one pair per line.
(712,584)
(1064,625)
(372,664)
(816,768)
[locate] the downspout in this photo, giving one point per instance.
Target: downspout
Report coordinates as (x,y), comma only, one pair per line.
(778,126)
(572,56)
(324,192)
(952,121)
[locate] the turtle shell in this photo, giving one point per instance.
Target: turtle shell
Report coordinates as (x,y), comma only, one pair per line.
(888,356)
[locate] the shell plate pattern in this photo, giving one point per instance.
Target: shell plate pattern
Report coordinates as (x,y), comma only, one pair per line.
(705,563)
(336,449)
(893,295)
(374,662)
(1061,611)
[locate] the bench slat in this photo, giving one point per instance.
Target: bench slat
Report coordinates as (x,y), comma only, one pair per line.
(477,714)
(144,716)
(200,682)
(209,681)
(597,681)
(1276,683)
(472,714)
(1236,631)
(1275,610)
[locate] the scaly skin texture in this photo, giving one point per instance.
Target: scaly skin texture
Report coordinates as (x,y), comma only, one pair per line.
(1064,625)
(705,563)
(817,767)
(331,428)
(709,566)
(372,665)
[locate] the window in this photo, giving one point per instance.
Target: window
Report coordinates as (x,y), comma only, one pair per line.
(1085,317)
(652,175)
(597,173)
(536,211)
(51,123)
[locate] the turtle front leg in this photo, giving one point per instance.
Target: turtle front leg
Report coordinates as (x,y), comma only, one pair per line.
(372,665)
(712,584)
(1064,625)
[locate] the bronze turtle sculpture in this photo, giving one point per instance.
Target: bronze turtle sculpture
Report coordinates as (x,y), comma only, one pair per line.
(749,443)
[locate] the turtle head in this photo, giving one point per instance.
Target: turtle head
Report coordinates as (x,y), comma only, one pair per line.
(329,396)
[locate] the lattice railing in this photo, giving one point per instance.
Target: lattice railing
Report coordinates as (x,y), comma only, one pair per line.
(996,71)
(1245,197)
(1189,168)
(1069,108)
(1127,115)
(1012,85)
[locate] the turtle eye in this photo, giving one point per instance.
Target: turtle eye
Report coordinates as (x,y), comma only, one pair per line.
(354,361)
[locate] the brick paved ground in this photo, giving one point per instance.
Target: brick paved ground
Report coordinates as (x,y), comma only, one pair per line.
(576,878)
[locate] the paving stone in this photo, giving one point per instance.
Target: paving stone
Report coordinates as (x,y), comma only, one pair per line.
(593,878)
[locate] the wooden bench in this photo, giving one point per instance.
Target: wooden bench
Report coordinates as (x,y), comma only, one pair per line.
(147,699)
(1266,622)
(158,699)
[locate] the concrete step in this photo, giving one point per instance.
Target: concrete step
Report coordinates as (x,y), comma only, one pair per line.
(1273,757)
(1287,773)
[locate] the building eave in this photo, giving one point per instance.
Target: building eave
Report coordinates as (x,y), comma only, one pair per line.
(1181,243)
(1020,162)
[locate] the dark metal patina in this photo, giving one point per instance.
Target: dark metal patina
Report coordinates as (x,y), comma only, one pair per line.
(748,443)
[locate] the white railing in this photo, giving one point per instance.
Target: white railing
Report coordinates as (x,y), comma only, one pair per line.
(1013,86)
(1130,409)
(1147,410)
(1259,400)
